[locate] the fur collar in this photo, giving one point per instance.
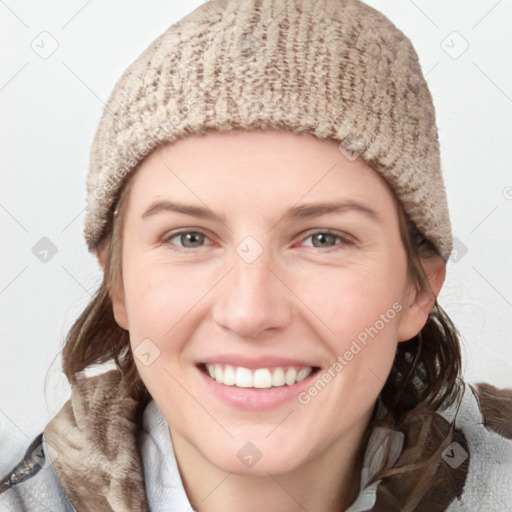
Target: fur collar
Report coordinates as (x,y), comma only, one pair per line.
(95,436)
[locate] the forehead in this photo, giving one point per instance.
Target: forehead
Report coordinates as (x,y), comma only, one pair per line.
(257,169)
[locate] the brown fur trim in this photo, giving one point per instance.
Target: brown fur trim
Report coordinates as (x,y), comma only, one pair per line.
(496,407)
(94,436)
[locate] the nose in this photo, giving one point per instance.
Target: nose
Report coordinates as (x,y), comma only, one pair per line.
(253,299)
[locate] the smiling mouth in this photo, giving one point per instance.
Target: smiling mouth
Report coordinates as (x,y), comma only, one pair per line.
(260,378)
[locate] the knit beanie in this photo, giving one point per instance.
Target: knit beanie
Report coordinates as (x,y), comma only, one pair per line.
(337,69)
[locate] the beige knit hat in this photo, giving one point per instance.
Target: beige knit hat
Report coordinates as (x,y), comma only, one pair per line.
(333,68)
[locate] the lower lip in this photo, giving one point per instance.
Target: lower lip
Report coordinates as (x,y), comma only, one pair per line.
(255,399)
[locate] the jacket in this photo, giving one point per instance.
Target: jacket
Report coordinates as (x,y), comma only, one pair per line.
(93,456)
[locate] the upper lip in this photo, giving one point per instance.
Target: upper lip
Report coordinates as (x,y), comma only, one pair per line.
(253,363)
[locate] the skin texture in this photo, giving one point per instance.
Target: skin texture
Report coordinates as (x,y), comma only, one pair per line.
(300,298)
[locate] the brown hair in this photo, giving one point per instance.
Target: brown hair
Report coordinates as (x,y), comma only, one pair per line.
(427,367)
(95,337)
(423,379)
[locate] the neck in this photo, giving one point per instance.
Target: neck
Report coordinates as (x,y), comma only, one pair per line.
(327,482)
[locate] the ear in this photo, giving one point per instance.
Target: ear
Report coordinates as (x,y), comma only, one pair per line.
(419,304)
(116,296)
(119,310)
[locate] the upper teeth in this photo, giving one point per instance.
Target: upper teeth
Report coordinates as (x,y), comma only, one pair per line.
(260,378)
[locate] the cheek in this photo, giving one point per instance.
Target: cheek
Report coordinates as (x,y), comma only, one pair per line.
(159,296)
(359,312)
(161,302)
(352,302)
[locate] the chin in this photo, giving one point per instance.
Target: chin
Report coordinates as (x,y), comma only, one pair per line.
(247,458)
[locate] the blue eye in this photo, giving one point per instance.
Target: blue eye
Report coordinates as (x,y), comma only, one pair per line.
(195,239)
(189,239)
(326,238)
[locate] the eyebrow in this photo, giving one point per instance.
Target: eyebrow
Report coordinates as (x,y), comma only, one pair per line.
(302,211)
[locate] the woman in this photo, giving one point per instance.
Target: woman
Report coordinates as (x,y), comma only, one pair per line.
(266,201)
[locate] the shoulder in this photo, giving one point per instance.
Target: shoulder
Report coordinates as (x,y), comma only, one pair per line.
(495,406)
(33,484)
(484,418)
(48,476)
(484,414)
(455,459)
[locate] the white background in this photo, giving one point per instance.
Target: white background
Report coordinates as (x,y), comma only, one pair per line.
(50,110)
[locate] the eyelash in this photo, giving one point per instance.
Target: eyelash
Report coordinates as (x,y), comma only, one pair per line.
(344,240)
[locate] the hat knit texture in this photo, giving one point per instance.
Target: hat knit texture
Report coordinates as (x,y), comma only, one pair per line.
(337,69)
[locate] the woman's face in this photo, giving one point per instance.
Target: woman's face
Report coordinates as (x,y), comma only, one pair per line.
(266,255)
